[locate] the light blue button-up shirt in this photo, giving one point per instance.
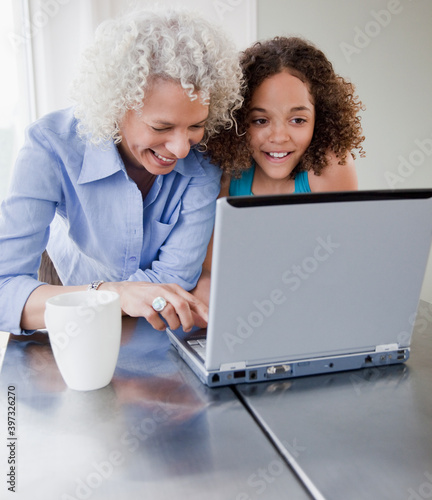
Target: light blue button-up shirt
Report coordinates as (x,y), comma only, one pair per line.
(77,201)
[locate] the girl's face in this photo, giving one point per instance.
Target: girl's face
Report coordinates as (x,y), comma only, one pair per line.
(168,124)
(281,124)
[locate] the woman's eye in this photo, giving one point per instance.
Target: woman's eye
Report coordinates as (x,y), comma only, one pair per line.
(160,129)
(299,121)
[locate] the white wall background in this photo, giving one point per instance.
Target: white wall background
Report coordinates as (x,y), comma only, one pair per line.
(383,46)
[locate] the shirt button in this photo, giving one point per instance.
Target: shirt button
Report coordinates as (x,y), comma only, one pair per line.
(132,259)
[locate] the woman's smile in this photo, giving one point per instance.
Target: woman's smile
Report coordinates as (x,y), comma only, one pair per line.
(164,129)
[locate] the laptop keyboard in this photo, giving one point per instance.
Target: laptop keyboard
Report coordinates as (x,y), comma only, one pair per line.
(199,346)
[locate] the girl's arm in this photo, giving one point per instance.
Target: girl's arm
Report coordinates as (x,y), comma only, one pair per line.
(202,290)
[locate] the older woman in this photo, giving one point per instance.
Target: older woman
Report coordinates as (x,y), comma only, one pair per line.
(116,188)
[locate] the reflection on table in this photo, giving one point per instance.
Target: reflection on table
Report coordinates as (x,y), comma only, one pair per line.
(364,434)
(155,432)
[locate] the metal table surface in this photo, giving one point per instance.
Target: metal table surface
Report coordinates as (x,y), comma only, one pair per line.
(155,432)
(364,434)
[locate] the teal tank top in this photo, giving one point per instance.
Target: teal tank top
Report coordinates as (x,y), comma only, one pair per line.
(243,185)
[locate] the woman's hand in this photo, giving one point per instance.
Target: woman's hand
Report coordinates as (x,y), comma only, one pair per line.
(182,309)
(136,298)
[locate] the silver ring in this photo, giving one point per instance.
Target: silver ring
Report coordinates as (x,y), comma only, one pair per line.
(159,304)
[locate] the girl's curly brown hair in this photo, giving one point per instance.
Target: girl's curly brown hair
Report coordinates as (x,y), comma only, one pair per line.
(337,121)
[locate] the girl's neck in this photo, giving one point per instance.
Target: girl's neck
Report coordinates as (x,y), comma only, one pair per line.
(264,185)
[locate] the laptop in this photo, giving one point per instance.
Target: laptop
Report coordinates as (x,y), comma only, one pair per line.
(313,283)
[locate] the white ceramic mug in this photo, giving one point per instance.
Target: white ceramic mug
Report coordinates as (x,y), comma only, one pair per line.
(84,329)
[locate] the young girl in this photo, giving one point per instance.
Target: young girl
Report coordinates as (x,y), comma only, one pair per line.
(298,127)
(296,132)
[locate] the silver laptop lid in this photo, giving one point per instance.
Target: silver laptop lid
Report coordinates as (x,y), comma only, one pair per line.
(303,276)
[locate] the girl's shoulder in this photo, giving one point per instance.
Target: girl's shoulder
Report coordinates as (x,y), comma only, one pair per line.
(335,177)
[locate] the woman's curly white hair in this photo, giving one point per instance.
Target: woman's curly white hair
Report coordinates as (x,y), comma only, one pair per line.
(129,52)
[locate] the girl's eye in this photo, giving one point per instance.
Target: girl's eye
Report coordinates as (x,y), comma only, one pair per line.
(259,121)
(299,121)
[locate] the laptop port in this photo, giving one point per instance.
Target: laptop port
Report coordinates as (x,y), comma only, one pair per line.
(253,375)
(368,359)
(215,378)
(278,369)
(240,374)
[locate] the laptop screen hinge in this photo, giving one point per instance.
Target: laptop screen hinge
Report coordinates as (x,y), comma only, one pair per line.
(236,365)
(386,347)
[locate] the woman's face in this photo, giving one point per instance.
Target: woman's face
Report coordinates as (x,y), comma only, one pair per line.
(281,124)
(164,130)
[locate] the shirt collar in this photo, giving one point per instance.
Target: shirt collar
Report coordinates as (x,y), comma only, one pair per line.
(191,165)
(102,161)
